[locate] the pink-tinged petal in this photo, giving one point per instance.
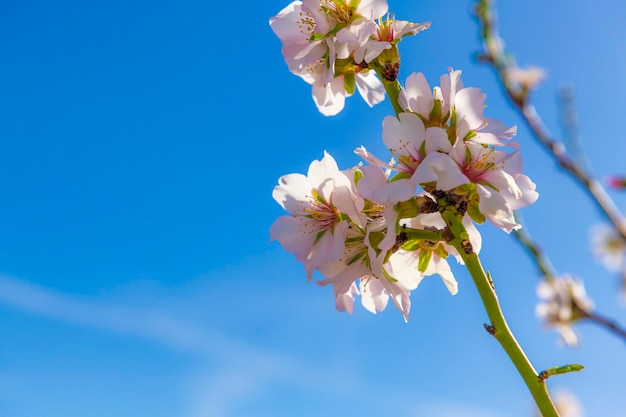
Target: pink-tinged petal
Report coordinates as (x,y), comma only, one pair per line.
(375,187)
(495,208)
(373,179)
(400,297)
(399,190)
(349,204)
(402,265)
(363,153)
(299,55)
(413,127)
(417,96)
(287,230)
(373,295)
(323,24)
(330,98)
(287,24)
(329,247)
(494,132)
(513,162)
(450,84)
(343,50)
(469,104)
(391,220)
(422,221)
(393,133)
(437,140)
(404,137)
(325,168)
(372,9)
(529,195)
(442,169)
(505,183)
(370,51)
(370,87)
(441,267)
(356,34)
(345,301)
(341,275)
(403,28)
(292,190)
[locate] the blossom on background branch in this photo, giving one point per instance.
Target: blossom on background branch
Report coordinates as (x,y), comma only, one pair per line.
(563,298)
(519,94)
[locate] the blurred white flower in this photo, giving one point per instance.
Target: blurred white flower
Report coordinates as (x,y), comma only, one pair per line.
(609,247)
(563,300)
(567,405)
(527,78)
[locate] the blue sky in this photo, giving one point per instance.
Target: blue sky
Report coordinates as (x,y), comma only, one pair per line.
(139,145)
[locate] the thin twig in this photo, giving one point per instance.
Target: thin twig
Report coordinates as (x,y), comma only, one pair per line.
(535,252)
(569,128)
(494,54)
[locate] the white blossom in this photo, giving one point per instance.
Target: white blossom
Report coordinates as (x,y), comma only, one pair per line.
(563,300)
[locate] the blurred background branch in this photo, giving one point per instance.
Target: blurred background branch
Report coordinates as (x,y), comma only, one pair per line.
(517,84)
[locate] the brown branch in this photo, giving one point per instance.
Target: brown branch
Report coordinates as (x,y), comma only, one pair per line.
(519,97)
(608,324)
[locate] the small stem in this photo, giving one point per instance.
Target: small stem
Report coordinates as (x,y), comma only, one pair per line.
(392,88)
(499,327)
(417,234)
(541,260)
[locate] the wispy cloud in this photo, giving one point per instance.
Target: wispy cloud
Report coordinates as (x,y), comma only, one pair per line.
(156,325)
(232,374)
(239,369)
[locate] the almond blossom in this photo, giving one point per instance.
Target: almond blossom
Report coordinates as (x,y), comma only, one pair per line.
(495,176)
(378,258)
(563,301)
(429,151)
(363,262)
(316,34)
(323,205)
(389,32)
(330,44)
(455,104)
(609,247)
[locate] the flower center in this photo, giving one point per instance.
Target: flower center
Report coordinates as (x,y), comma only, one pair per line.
(306,24)
(337,10)
(386,29)
(316,213)
(479,166)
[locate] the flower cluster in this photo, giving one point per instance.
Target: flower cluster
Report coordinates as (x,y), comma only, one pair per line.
(563,301)
(377,230)
(337,46)
(444,142)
